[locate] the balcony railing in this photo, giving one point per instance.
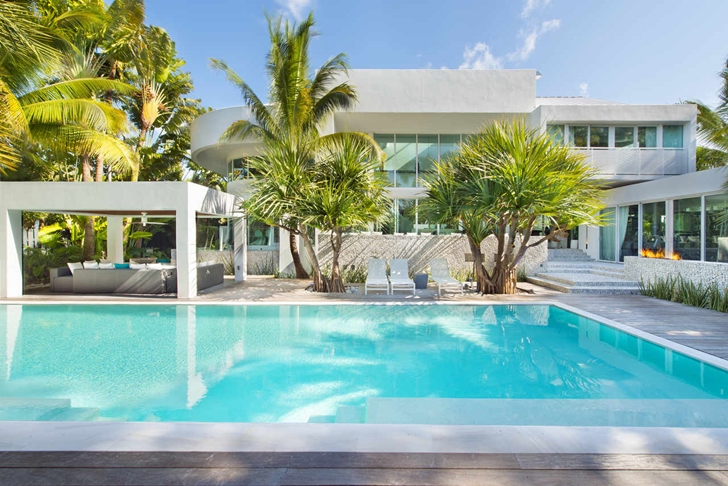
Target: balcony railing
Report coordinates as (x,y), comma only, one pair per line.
(637,161)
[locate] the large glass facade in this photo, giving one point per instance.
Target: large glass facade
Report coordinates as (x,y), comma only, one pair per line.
(623,137)
(405,218)
(653,226)
(716,228)
(686,223)
(410,157)
(629,227)
(647,137)
(556,132)
(599,137)
(608,235)
(579,136)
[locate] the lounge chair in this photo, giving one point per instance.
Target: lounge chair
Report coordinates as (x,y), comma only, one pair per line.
(399,275)
(441,275)
(377,276)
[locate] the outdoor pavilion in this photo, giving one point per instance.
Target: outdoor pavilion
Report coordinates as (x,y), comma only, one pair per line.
(115,200)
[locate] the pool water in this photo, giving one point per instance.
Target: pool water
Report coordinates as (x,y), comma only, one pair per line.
(449,364)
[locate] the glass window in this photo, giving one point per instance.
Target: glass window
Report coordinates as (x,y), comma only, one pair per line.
(405,160)
(647,137)
(448,145)
(386,143)
(405,215)
(579,136)
(686,219)
(672,136)
(607,235)
(716,228)
(556,132)
(427,155)
(653,227)
(261,234)
(599,137)
(239,170)
(628,231)
(624,136)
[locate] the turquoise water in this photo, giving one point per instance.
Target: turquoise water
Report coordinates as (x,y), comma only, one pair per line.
(528,364)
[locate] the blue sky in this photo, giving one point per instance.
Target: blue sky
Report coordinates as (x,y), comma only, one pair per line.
(633,51)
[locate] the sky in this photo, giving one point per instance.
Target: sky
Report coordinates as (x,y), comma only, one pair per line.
(631,51)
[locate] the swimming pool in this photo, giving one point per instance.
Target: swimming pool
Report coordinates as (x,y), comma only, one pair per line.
(447,364)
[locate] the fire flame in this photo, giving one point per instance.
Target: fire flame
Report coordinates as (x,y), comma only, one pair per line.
(659,253)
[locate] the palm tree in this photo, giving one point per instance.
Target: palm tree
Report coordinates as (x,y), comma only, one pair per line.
(299,106)
(37,106)
(346,193)
(713,129)
(500,183)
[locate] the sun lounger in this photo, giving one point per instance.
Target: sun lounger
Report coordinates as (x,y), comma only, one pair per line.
(440,271)
(377,276)
(399,275)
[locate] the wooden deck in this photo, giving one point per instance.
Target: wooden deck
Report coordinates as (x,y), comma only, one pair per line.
(323,468)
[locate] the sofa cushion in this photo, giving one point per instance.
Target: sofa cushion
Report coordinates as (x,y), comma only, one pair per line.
(74,266)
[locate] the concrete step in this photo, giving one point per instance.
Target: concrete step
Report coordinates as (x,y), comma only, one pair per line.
(31,408)
(567,254)
(586,280)
(350,414)
(606,290)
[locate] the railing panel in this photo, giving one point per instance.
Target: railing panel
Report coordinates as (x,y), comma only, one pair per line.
(636,161)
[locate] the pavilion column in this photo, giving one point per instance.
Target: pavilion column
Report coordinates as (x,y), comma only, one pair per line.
(186,240)
(115,239)
(11,253)
(240,248)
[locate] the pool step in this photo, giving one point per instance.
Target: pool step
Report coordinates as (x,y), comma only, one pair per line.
(585,289)
(584,277)
(322,419)
(562,412)
(350,414)
(30,408)
(46,409)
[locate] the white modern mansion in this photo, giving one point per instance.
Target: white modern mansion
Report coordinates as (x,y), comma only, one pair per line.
(646,155)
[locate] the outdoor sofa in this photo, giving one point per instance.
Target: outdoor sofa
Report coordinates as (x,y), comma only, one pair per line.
(130,281)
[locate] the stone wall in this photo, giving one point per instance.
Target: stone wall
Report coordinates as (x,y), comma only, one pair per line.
(260,262)
(649,269)
(418,249)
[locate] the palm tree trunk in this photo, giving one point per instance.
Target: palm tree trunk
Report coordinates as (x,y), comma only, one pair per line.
(483,283)
(504,280)
(296,256)
(99,168)
(337,282)
(135,170)
(89,239)
(320,282)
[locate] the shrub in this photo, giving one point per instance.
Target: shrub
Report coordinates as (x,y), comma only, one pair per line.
(37,262)
(684,291)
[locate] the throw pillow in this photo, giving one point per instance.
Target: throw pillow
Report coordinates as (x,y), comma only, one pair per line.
(74,266)
(91,265)
(121,265)
(106,266)
(138,266)
(154,266)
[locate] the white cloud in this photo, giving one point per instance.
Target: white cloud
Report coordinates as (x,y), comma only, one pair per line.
(480,57)
(532,5)
(295,7)
(584,90)
(529,40)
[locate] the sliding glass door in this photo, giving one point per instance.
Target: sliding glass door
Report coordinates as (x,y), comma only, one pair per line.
(608,235)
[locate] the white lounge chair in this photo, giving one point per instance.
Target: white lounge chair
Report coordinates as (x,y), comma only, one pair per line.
(440,271)
(377,276)
(399,275)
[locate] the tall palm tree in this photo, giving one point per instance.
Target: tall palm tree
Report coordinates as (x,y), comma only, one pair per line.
(500,183)
(713,129)
(299,105)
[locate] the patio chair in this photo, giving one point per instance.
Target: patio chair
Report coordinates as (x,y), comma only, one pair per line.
(377,276)
(399,275)
(441,275)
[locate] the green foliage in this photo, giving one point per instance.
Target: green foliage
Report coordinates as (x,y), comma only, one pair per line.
(462,274)
(684,291)
(354,273)
(37,262)
(269,266)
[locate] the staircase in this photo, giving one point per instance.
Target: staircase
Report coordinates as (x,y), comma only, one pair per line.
(573,271)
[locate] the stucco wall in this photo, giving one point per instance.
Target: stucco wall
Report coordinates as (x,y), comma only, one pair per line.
(359,248)
(649,269)
(260,262)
